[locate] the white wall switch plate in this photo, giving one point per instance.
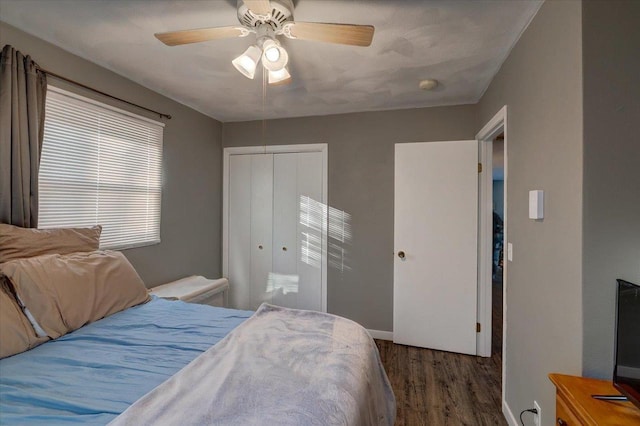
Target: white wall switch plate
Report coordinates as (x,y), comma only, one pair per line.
(510,252)
(536,204)
(538,416)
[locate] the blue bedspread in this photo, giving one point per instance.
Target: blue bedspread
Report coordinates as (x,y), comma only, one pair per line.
(93,374)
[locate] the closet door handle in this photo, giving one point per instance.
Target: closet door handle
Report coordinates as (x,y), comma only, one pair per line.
(260,246)
(401,255)
(284,249)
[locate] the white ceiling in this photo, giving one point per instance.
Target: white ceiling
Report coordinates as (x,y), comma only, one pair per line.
(462,43)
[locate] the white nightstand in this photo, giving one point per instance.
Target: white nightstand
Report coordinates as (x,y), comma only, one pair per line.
(196,289)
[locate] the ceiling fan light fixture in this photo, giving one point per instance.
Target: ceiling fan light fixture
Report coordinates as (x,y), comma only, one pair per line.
(267,20)
(274,56)
(279,77)
(248,61)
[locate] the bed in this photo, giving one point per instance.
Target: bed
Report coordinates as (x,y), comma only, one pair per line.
(170,362)
(93,374)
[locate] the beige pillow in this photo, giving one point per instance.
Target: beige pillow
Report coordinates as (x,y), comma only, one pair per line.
(16,242)
(65,292)
(16,333)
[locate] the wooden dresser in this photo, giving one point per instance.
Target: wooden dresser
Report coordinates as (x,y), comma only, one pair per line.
(574,405)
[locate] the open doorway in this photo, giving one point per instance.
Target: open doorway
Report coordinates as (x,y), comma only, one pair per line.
(492,266)
(497,244)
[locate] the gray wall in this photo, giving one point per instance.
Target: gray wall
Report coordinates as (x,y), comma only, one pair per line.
(611,239)
(361,156)
(541,83)
(191,193)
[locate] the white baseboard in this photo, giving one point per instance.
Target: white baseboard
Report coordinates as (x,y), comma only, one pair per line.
(506,410)
(382,335)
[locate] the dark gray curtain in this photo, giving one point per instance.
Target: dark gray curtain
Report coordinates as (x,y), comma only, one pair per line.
(22,97)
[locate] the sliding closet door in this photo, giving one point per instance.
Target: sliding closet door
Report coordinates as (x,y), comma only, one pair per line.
(284,278)
(311,219)
(239,230)
(297,230)
(250,231)
(275,216)
(261,228)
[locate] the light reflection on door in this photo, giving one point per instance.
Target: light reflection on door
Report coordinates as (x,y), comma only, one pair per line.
(313,218)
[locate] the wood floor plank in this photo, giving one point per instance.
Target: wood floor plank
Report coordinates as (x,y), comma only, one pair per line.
(439,388)
(442,388)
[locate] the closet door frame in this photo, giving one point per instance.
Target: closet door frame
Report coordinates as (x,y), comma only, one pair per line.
(275,149)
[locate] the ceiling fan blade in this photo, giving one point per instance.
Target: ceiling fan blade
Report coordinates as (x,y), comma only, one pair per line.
(259,7)
(355,35)
(175,38)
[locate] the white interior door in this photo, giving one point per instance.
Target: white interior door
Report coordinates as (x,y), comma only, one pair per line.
(250,229)
(261,229)
(310,222)
(275,225)
(436,247)
(284,279)
(296,279)
(239,230)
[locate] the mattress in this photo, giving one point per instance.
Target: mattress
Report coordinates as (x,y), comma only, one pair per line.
(92,375)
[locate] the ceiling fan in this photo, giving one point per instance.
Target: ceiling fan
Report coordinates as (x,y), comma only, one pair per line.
(268,19)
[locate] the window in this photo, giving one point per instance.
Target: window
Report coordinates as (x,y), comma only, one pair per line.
(100,166)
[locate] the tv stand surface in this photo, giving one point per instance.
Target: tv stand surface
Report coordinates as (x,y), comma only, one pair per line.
(576,406)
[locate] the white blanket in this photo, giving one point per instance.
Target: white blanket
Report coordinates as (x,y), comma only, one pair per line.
(280,367)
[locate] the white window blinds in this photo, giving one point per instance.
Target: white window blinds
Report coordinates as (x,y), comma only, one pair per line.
(100,166)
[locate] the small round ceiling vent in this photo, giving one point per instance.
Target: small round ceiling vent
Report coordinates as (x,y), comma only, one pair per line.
(428,84)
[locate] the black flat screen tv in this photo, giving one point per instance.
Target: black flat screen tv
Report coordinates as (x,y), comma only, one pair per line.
(626,374)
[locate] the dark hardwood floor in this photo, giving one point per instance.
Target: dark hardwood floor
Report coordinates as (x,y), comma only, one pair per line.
(442,388)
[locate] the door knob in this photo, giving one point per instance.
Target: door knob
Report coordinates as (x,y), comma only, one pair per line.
(260,246)
(284,249)
(401,255)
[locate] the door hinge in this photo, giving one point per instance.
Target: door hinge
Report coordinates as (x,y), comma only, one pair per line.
(478,327)
(479,167)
